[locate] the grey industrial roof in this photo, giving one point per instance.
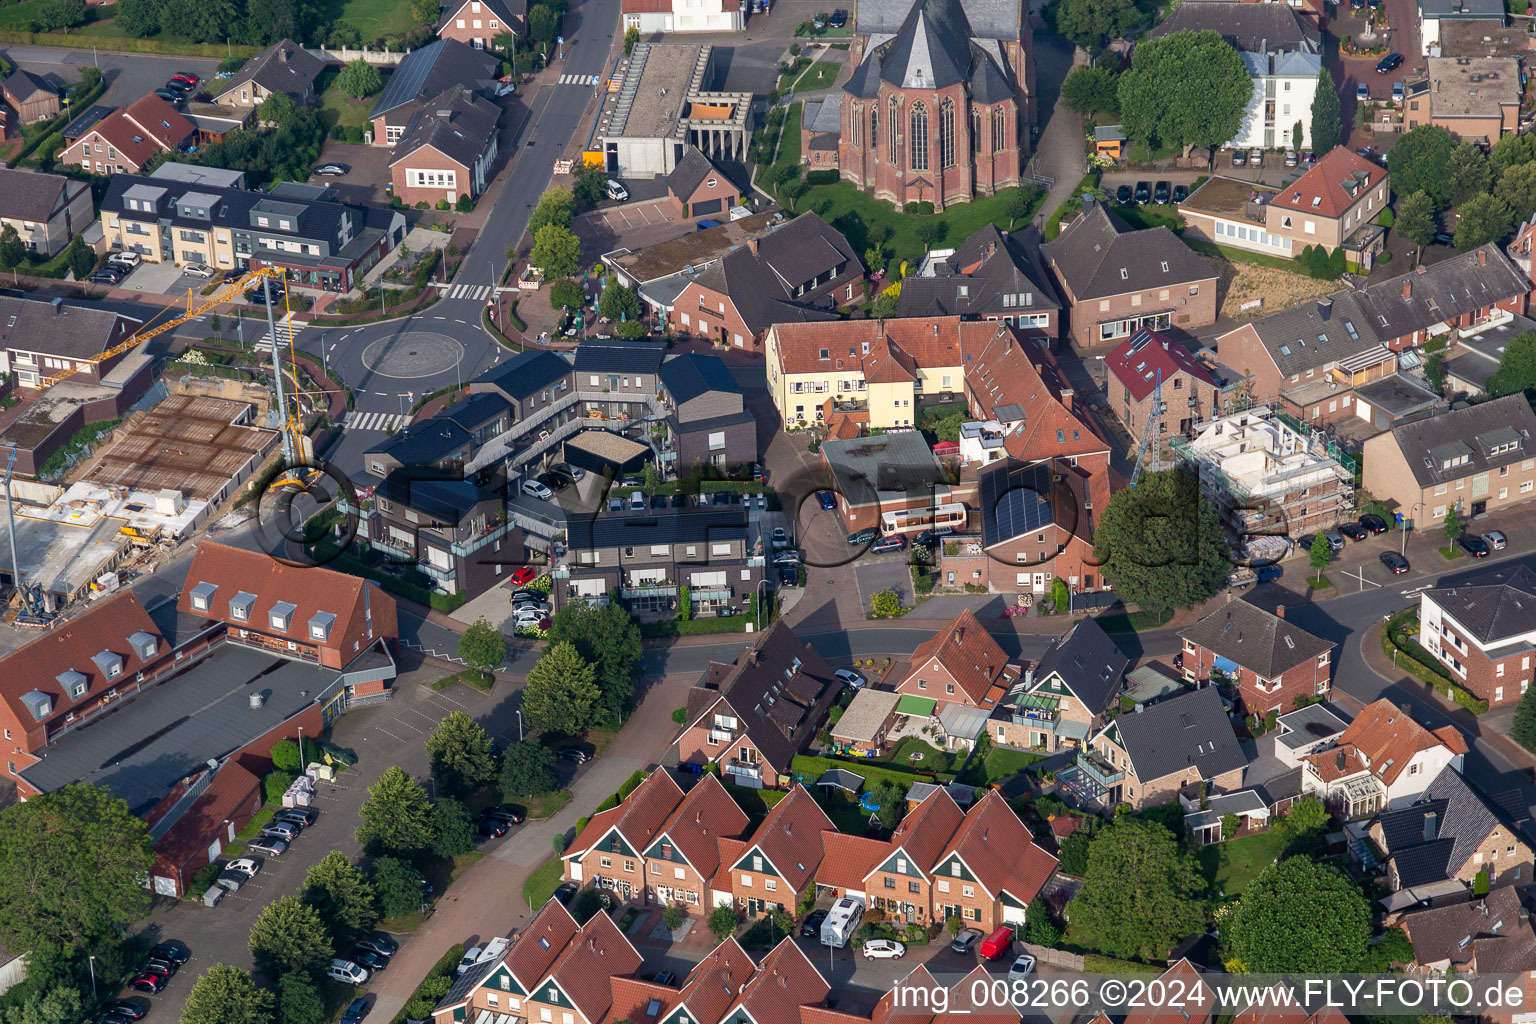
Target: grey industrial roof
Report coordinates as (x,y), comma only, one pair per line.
(1087,661)
(973,280)
(1443,291)
(692,374)
(1256,639)
(669,526)
(896,462)
(1242,802)
(75,332)
(1098,255)
(1191,729)
(988,19)
(197,174)
(1476,430)
(619,357)
(1493,606)
(1311,724)
(455,122)
(526,373)
(141,748)
(431,69)
(1256,28)
(1488,10)
(865,714)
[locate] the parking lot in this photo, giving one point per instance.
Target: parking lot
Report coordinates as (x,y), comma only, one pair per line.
(368,175)
(128,76)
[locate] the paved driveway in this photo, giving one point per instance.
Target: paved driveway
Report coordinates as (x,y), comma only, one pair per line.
(881,572)
(128,76)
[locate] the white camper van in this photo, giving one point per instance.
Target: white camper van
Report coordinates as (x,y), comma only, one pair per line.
(842,921)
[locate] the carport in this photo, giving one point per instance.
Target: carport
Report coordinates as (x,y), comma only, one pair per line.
(843,779)
(605,453)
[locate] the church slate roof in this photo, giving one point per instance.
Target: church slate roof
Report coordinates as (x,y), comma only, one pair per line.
(934,47)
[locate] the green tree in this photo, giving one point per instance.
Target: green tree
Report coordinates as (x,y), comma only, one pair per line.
(459,750)
(608,638)
(359,79)
(543,25)
(631,330)
(561,691)
(1421,162)
(453,831)
(1141,892)
(289,936)
(1306,817)
(58,14)
(280,109)
(396,885)
(1517,367)
(566,294)
(557,206)
(1327,125)
(722,921)
(1416,218)
(425,11)
(1300,917)
(1074,852)
(1484,219)
(673,917)
(140,18)
(72,864)
(631,37)
(930,232)
(1511,150)
(792,190)
(589,185)
(1230,823)
(201,21)
(528,769)
(464,203)
(890,797)
(57,1004)
(482,647)
(557,251)
(81,258)
(12,249)
(1160,543)
(1523,729)
(227,995)
(299,1001)
(618,303)
(1320,554)
(1094,24)
(1298,135)
(1185,89)
(341,895)
(885,304)
(1018,204)
(1516,189)
(505,42)
(1452,526)
(1466,174)
(396,816)
(1434,372)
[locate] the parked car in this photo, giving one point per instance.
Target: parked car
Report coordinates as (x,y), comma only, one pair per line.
(895,542)
(523,604)
(827,500)
(379,943)
(1161,192)
(152,982)
(789,576)
(108,275)
(1353,531)
(1496,540)
(506,814)
(491,828)
(1388,64)
(566,892)
(306,816)
(965,940)
(615,191)
(286,831)
(779,538)
(810,928)
(1373,523)
(637,501)
(1444,238)
(998,943)
(127,258)
(292,820)
(1143,193)
(126,1008)
(1394,561)
(884,949)
(789,556)
(534,489)
(580,755)
(176,85)
(865,536)
(1266,573)
(108,1017)
(706,224)
(201,270)
(161,964)
(574,472)
(333,170)
(1180,193)
(523,576)
(368,958)
(470,958)
(1023,967)
(1255,157)
(357,1009)
(268,846)
(1335,540)
(839,18)
(231,880)
(849,677)
(346,971)
(1123,195)
(188,77)
(175,952)
(927,537)
(1397,94)
(1290,158)
(1362,93)
(1239,158)
(250,867)
(171,96)
(1473,545)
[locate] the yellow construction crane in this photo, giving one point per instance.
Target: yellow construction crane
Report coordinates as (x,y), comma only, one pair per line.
(295,452)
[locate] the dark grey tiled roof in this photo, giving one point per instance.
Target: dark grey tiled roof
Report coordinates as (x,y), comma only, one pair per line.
(932,49)
(1191,729)
(1088,662)
(29,195)
(1098,255)
(431,69)
(690,375)
(1491,924)
(1492,606)
(282,67)
(690,172)
(1001,265)
(894,463)
(1314,334)
(455,122)
(1433,839)
(1257,28)
(475,410)
(988,82)
(444,501)
(779,704)
(1256,639)
(761,284)
(23,84)
(619,356)
(425,442)
(1444,291)
(1471,432)
(77,332)
(670,526)
(526,373)
(988,19)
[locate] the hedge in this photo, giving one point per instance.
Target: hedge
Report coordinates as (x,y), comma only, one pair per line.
(821,178)
(694,627)
(1422,664)
(1097,963)
(444,968)
(122,44)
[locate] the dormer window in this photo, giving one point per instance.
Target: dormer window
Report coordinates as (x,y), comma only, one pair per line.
(202,596)
(280,615)
(144,645)
(320,626)
(73,682)
(240,606)
(111,665)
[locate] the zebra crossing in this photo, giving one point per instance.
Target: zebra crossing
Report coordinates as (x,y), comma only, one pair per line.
(578,79)
(380,421)
(285,335)
(477,292)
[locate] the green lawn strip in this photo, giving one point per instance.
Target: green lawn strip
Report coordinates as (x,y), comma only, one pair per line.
(960,220)
(1232,865)
(258,822)
(541,885)
(931,759)
(345,110)
(470,677)
(789,138)
(819,75)
(1003,762)
(1319,582)
(1450,552)
(373,18)
(1133,622)
(545,805)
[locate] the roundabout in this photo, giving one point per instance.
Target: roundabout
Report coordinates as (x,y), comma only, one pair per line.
(413,355)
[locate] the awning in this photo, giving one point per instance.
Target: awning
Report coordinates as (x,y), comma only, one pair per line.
(961,722)
(1227,665)
(1070,730)
(911,704)
(842,778)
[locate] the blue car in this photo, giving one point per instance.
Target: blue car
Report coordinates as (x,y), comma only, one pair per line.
(826,500)
(1265,573)
(356,1011)
(705,225)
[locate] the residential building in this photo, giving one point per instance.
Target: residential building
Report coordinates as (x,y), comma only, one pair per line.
(754,715)
(451,530)
(1476,99)
(284,67)
(903,884)
(531,382)
(1433,15)
(1471,360)
(308,230)
(960,664)
(1475,459)
(1306,731)
(708,423)
(477,23)
(1283,53)
(1451,834)
(1492,935)
(429,444)
(1145,758)
(992,275)
(1384,760)
(1267,477)
(865,723)
(1270,662)
(1068,695)
(646,559)
(821,127)
(940,103)
(1469,291)
(1482,631)
(619,379)
(1181,975)
(653,16)
(1116,281)
(892,482)
(793,274)
(698,188)
(423,75)
(127,139)
(44,342)
(447,150)
(30,96)
(1153,374)
(1334,204)
(1235,212)
(769,871)
(611,851)
(683,858)
(502,983)
(320,616)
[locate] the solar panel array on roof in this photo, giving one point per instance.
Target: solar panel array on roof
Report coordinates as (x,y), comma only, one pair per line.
(1015,500)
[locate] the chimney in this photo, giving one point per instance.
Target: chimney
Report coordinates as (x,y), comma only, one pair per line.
(1407,289)
(1482,257)
(752,244)
(1279,611)
(1324,309)
(1338,760)
(282,55)
(991,248)
(959,636)
(1429,826)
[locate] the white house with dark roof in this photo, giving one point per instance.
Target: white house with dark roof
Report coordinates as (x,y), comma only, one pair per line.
(1484,631)
(285,67)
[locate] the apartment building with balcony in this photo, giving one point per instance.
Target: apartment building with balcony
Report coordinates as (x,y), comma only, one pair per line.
(1384,760)
(1483,630)
(1067,695)
(1270,662)
(1267,477)
(47,210)
(753,715)
(708,423)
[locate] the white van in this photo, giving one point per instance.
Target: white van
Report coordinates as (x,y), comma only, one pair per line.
(636,501)
(347,972)
(842,921)
(618,193)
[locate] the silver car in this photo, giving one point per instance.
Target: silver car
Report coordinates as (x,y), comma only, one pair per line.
(269,846)
(1496,540)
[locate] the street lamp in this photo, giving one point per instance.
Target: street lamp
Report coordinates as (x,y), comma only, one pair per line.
(519,725)
(760,584)
(93,977)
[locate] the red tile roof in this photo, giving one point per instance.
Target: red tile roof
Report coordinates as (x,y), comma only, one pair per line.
(1195,1009)
(1146,357)
(790,838)
(144,128)
(639,818)
(927,342)
(712,985)
(912,1010)
(847,860)
(707,814)
(540,944)
(632,997)
(785,981)
(1323,190)
(967,652)
(597,954)
(1000,851)
(1386,738)
(233,792)
(69,647)
(1010,369)
(730,852)
(926,830)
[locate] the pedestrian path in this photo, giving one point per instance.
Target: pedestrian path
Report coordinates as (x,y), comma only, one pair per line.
(578,79)
(285,334)
(380,421)
(478,292)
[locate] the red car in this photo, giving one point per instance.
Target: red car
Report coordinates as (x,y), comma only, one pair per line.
(185,76)
(523,576)
(149,981)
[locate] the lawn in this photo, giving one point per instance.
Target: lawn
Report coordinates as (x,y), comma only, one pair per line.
(789,138)
(819,75)
(1151,216)
(1230,866)
(542,883)
(849,818)
(373,18)
(960,220)
(1002,762)
(345,110)
(469,677)
(1133,622)
(16,16)
(930,758)
(540,807)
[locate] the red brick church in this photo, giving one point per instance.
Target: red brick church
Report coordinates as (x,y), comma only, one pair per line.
(940,101)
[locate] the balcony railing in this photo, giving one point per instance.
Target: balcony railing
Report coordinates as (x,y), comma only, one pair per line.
(1099,770)
(644,591)
(746,769)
